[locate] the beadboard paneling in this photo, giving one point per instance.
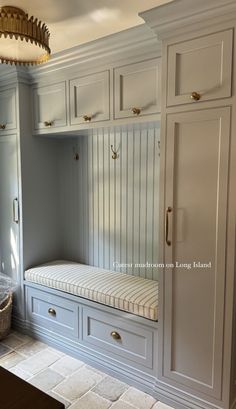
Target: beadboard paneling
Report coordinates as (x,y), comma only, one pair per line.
(109,208)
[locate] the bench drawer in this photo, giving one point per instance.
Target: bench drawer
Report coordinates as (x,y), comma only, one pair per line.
(118,337)
(52,312)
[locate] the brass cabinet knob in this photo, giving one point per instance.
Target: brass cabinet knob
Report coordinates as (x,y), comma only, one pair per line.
(87,118)
(49,123)
(115,335)
(136,111)
(51,311)
(2,126)
(195,96)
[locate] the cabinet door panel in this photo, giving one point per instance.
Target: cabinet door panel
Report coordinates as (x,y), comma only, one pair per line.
(50,106)
(7,109)
(202,65)
(89,96)
(137,86)
(196,190)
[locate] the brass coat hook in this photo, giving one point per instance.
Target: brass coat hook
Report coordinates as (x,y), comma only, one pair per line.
(114,153)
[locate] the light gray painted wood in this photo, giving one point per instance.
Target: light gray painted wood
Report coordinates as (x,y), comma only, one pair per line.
(50,106)
(9,215)
(89,96)
(209,60)
(197,150)
(109,208)
(135,343)
(40,191)
(65,320)
(137,86)
(8,109)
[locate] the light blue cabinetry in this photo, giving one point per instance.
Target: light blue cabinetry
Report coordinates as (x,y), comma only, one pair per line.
(8,117)
(89,98)
(50,108)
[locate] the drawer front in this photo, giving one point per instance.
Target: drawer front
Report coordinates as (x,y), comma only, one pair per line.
(50,106)
(52,312)
(7,110)
(117,337)
(89,99)
(137,86)
(201,66)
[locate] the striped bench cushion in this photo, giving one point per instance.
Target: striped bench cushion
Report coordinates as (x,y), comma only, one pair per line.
(129,293)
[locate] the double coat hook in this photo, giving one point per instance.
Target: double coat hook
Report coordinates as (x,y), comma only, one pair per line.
(114,153)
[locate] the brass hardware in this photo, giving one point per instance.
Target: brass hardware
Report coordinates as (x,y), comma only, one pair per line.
(115,335)
(15,211)
(168,210)
(16,24)
(87,118)
(195,96)
(48,124)
(51,311)
(2,126)
(136,111)
(114,153)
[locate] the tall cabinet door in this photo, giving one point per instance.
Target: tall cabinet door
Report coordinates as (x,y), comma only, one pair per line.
(9,211)
(197,151)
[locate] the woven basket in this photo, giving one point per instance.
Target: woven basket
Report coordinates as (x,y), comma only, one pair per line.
(5,317)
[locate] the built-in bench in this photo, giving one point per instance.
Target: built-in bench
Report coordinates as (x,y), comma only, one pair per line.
(108,319)
(129,293)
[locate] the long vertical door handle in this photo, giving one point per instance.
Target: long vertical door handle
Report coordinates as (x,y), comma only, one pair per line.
(15,211)
(168,210)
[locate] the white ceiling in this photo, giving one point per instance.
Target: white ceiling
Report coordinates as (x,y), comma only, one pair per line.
(74,22)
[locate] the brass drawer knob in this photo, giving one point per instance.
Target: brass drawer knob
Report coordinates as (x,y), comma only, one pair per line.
(136,111)
(48,123)
(51,311)
(2,126)
(195,96)
(115,335)
(87,118)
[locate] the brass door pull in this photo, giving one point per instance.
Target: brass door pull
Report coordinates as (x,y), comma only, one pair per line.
(2,126)
(136,111)
(51,311)
(168,210)
(115,335)
(48,124)
(87,118)
(195,96)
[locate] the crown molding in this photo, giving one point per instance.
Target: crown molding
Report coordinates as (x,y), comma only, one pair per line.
(181,16)
(129,43)
(13,74)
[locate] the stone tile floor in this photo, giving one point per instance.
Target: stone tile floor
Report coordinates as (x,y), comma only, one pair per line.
(77,385)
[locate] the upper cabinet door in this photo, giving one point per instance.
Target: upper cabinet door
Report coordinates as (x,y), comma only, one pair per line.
(50,106)
(200,69)
(7,110)
(89,98)
(137,89)
(196,171)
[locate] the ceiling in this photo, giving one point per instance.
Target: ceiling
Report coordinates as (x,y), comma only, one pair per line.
(74,22)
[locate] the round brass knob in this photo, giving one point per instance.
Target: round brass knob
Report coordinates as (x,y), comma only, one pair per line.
(195,96)
(51,311)
(48,123)
(2,126)
(115,335)
(87,118)
(136,111)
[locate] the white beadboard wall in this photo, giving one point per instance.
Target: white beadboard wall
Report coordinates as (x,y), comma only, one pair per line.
(109,208)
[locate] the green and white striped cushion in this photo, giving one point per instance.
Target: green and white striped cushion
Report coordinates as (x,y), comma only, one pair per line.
(129,293)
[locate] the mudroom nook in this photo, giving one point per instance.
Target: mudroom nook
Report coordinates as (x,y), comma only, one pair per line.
(117,208)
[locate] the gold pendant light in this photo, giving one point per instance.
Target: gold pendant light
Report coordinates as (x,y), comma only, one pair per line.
(23,40)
